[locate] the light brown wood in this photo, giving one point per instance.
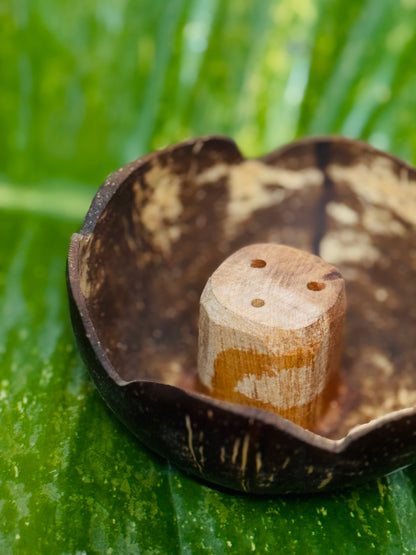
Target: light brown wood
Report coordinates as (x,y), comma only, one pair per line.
(270,331)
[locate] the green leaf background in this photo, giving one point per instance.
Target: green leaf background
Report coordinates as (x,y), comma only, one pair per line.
(85,87)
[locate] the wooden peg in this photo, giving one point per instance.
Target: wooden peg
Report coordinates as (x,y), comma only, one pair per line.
(270,331)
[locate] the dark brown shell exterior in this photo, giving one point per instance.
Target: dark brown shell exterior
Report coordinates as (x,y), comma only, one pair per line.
(159,227)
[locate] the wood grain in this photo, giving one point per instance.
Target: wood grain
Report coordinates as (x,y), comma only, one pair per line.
(271,323)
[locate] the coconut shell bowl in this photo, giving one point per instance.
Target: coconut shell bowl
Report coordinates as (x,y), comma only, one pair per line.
(254,320)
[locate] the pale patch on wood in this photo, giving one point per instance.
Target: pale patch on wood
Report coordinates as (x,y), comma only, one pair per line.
(190,441)
(403,397)
(244,458)
(377,373)
(259,462)
(379,221)
(161,207)
(244,452)
(326,480)
(254,185)
(281,390)
(348,245)
(378,184)
(342,213)
(381,294)
(201,455)
(381,361)
(236,448)
(84,270)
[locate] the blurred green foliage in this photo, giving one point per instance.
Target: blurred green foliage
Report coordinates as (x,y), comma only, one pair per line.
(88,86)
(85,87)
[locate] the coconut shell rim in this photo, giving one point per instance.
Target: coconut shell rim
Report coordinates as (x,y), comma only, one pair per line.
(103,196)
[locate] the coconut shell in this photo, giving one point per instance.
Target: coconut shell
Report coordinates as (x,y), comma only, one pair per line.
(159,227)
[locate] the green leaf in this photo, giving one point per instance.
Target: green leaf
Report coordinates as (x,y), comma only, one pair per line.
(87,86)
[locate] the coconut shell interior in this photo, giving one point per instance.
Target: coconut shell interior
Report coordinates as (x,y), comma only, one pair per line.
(158,229)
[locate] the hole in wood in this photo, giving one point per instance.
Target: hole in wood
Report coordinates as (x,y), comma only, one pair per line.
(257,303)
(316,285)
(258,263)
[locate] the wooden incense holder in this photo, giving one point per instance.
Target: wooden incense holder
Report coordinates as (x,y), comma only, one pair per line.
(270,331)
(157,230)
